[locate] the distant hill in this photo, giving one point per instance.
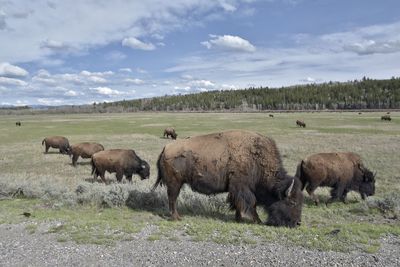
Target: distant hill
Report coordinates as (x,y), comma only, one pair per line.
(363,94)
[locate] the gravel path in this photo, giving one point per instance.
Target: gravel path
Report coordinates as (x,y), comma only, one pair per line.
(19,248)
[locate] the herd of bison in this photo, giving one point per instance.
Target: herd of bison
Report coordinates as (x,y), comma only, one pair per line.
(245,164)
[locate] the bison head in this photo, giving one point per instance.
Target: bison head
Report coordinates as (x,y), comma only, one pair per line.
(367,186)
(286,210)
(144,170)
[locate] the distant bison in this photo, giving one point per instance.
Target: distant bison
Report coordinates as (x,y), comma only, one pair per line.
(386,118)
(18,123)
(245,164)
(170,132)
(59,142)
(343,172)
(359,113)
(84,150)
(122,162)
(300,123)
(271,115)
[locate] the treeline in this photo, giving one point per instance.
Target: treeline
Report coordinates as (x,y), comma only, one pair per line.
(364,94)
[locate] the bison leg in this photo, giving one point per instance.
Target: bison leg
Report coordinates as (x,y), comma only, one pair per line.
(102,176)
(173,192)
(74,159)
(47,148)
(245,202)
(336,193)
(310,190)
(119,175)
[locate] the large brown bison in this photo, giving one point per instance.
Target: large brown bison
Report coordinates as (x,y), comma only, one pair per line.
(84,150)
(169,131)
(301,123)
(59,142)
(121,161)
(343,172)
(386,118)
(245,164)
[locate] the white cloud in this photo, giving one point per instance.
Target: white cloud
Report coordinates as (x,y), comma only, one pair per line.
(106,91)
(44,80)
(96,79)
(115,56)
(8,70)
(134,81)
(134,43)
(229,42)
(368,47)
(202,83)
(227,6)
(49,101)
(54,45)
(125,70)
(70,93)
(12,81)
(73,78)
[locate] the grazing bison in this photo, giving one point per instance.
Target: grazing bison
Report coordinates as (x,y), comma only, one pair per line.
(301,123)
(386,118)
(84,150)
(245,164)
(18,123)
(343,172)
(122,162)
(59,142)
(170,132)
(271,115)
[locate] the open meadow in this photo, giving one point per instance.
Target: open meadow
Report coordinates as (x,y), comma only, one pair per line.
(88,211)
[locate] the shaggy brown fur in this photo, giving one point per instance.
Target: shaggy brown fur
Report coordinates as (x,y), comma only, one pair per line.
(343,172)
(84,150)
(386,118)
(59,142)
(245,164)
(122,162)
(300,123)
(170,132)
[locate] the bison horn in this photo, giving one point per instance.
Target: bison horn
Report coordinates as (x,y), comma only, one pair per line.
(375,174)
(289,190)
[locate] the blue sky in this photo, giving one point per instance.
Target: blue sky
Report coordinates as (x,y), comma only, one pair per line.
(79,52)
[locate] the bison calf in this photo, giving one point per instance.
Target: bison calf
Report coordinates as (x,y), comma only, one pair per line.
(301,123)
(122,162)
(170,132)
(59,142)
(343,172)
(247,165)
(84,150)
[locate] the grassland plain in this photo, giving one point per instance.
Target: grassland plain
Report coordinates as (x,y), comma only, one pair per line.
(86,211)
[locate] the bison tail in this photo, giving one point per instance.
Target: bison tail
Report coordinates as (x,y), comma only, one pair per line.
(299,174)
(160,176)
(43,141)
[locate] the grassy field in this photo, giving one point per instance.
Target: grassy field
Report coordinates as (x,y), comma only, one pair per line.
(50,188)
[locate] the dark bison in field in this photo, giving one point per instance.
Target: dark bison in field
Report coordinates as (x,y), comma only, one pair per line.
(18,123)
(343,172)
(301,123)
(386,118)
(84,150)
(245,164)
(271,115)
(59,142)
(170,132)
(122,162)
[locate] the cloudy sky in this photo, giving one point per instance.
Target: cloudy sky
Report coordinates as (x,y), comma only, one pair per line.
(77,52)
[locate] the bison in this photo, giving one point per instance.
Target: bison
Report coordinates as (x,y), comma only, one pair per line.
(122,162)
(271,115)
(84,150)
(18,123)
(386,118)
(343,172)
(301,123)
(170,132)
(245,164)
(59,142)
